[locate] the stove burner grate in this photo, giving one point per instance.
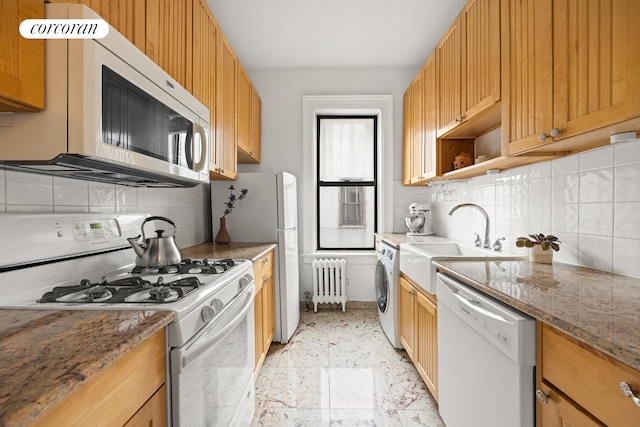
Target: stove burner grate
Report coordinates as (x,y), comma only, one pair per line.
(128,289)
(189,266)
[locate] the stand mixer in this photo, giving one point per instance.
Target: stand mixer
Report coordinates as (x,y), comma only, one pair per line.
(417,220)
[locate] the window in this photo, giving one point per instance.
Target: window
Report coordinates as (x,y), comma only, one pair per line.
(351,207)
(346,182)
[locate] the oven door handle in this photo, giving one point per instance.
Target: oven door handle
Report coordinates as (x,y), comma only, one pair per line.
(219,327)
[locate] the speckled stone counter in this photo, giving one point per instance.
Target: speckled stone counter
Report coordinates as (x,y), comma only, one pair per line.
(598,308)
(209,250)
(45,355)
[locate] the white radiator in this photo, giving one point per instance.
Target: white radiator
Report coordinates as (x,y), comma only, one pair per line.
(329,282)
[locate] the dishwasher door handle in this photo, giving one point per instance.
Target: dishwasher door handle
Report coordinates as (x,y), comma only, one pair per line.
(478,307)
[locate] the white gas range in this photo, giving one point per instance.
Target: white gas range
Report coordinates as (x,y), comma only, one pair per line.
(83,262)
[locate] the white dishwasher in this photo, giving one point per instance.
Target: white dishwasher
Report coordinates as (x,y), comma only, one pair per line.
(486,359)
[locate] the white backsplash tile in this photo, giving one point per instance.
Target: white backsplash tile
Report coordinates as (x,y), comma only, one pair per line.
(627,183)
(565,188)
(540,170)
(597,159)
(102,196)
(596,186)
(28,189)
(596,219)
(625,256)
(564,218)
(596,252)
(627,152)
(625,221)
(565,165)
(70,192)
(126,197)
(188,207)
(540,191)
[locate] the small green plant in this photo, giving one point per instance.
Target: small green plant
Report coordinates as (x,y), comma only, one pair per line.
(545,242)
(232,199)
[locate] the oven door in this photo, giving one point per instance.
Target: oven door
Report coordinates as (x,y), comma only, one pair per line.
(212,380)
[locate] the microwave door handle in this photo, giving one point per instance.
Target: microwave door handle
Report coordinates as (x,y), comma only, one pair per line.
(188,354)
(199,129)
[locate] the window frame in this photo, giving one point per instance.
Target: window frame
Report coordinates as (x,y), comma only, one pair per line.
(346,183)
(312,105)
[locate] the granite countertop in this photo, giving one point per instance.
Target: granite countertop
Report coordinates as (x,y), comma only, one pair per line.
(45,355)
(596,307)
(252,251)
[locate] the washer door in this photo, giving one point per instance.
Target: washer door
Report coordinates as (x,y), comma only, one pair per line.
(382,286)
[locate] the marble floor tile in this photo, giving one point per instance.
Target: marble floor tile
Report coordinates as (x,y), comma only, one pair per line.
(339,369)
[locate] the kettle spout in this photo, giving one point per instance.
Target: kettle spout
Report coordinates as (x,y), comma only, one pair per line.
(137,248)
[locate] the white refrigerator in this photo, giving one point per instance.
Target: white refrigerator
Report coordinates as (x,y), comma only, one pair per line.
(269,213)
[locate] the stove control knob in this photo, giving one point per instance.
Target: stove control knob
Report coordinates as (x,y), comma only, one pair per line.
(245,281)
(210,311)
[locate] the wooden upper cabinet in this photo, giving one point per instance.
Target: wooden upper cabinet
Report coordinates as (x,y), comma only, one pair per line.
(21,60)
(169,34)
(469,72)
(256,126)
(481,74)
(244,109)
(527,70)
(249,119)
(126,16)
(407,134)
(226,85)
(420,120)
(596,64)
(429,118)
(449,59)
(417,141)
(205,35)
(577,72)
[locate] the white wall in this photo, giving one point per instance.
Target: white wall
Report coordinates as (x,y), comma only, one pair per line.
(281,92)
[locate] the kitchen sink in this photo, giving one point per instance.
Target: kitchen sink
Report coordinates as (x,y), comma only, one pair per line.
(416,257)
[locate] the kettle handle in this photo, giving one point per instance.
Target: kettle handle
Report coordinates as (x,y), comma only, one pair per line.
(160,218)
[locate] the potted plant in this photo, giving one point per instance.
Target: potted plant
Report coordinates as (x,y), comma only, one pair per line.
(541,246)
(223,237)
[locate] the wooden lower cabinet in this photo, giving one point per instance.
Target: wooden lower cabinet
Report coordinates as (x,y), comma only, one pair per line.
(560,411)
(153,413)
(130,392)
(579,385)
(264,307)
(418,330)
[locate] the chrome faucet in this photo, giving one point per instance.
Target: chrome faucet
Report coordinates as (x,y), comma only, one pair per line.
(486,243)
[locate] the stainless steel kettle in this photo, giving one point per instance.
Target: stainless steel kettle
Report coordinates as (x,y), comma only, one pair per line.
(156,251)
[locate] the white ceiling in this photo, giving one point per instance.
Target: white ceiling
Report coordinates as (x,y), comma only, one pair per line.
(333,33)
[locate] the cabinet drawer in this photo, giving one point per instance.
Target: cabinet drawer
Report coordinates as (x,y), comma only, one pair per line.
(590,378)
(262,265)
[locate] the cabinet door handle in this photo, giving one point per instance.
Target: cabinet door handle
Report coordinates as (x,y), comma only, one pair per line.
(626,389)
(552,133)
(542,397)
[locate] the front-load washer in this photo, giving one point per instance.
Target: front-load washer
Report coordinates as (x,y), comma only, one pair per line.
(387,271)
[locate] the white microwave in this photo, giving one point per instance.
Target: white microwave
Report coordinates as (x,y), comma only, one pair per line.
(111,114)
